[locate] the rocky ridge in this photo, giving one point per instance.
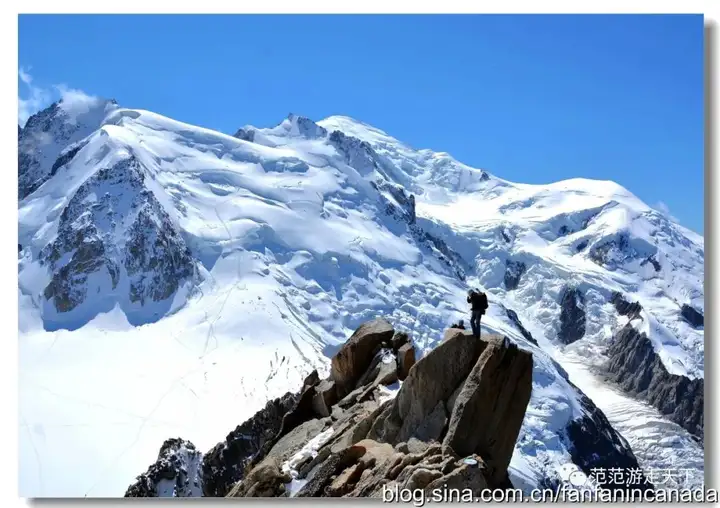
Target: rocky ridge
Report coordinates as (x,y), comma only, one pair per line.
(384,419)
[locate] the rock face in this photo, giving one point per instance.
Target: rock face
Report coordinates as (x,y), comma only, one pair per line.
(595,445)
(175,474)
(433,379)
(406,359)
(356,354)
(224,464)
(572,316)
(513,271)
(501,379)
(369,452)
(625,308)
(51,138)
(639,370)
(512,315)
(356,153)
(692,316)
(86,257)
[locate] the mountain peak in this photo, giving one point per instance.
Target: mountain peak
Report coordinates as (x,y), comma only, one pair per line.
(303,126)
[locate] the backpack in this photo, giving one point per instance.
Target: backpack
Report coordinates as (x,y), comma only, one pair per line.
(483,302)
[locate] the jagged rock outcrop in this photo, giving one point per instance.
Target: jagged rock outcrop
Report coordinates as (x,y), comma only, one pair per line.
(692,316)
(442,251)
(572,316)
(367,448)
(175,474)
(46,142)
(66,156)
(356,153)
(630,309)
(397,201)
(306,127)
(454,420)
(154,258)
(637,368)
(224,464)
(246,134)
(512,315)
(596,446)
(514,270)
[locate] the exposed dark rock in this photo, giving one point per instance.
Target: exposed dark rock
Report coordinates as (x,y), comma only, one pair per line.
(625,308)
(638,369)
(572,316)
(245,134)
(513,271)
(156,258)
(311,379)
(613,252)
(224,465)
(176,473)
(356,153)
(655,263)
(441,250)
(692,316)
(302,411)
(306,127)
(398,340)
(46,135)
(66,157)
(452,423)
(596,445)
(512,315)
(325,396)
(581,245)
(400,204)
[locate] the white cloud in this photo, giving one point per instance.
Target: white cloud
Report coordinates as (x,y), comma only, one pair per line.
(32,98)
(24,76)
(664,209)
(36,98)
(75,102)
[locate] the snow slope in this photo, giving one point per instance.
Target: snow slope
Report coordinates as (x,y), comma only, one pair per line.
(297,234)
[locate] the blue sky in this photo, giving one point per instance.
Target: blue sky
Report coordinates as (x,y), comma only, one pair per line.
(532,99)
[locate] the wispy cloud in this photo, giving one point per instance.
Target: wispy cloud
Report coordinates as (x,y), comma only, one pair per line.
(33,98)
(664,209)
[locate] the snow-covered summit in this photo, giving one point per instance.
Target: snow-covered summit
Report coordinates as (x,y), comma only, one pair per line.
(55,130)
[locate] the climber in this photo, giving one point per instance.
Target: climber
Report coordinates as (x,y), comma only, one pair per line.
(478,304)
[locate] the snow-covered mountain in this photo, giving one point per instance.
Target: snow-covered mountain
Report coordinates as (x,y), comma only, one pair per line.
(173,279)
